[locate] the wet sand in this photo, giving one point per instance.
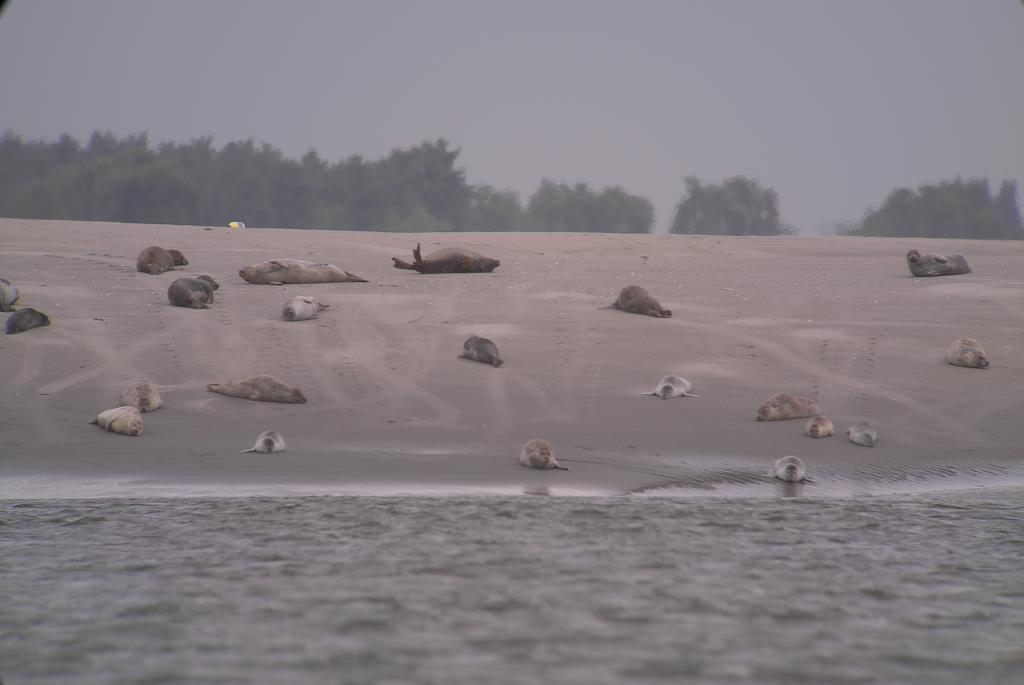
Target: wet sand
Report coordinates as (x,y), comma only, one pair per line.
(392,409)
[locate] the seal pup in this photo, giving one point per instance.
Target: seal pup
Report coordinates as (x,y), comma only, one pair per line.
(481,350)
(8,295)
(784,406)
(862,433)
(143,396)
(24,319)
(537,454)
(672,386)
(259,388)
(931,264)
(268,442)
(818,427)
(967,352)
(788,469)
(302,307)
(282,271)
(448,260)
(123,420)
(196,293)
(636,300)
(156,260)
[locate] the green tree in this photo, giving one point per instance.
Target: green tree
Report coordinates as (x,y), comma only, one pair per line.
(739,206)
(560,207)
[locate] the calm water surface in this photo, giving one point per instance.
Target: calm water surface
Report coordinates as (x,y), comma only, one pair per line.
(910,589)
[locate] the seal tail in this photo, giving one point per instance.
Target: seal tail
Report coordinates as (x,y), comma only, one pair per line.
(213,387)
(352,278)
(251,449)
(561,468)
(497,362)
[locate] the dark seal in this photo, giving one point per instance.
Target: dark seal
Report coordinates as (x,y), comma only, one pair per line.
(481,350)
(24,319)
(636,300)
(156,260)
(449,260)
(931,264)
(196,293)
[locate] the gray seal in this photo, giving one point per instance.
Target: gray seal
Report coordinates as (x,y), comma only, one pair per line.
(25,319)
(195,293)
(930,264)
(538,454)
(784,406)
(448,260)
(283,271)
(481,350)
(967,352)
(672,386)
(267,442)
(260,389)
(788,469)
(302,307)
(636,300)
(156,260)
(862,433)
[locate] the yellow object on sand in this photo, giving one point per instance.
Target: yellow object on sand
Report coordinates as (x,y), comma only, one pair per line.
(236,224)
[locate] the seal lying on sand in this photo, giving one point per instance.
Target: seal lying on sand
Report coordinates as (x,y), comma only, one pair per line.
(931,264)
(448,260)
(196,293)
(282,271)
(789,469)
(260,389)
(537,454)
(818,427)
(967,352)
(156,260)
(302,307)
(636,300)
(123,420)
(785,406)
(143,396)
(8,295)
(672,386)
(268,442)
(481,350)
(862,433)
(24,319)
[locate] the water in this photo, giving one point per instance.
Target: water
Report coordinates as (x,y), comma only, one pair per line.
(528,589)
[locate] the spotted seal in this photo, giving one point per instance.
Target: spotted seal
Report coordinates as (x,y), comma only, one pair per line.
(481,350)
(788,469)
(143,396)
(195,293)
(967,352)
(637,300)
(156,260)
(448,260)
(124,420)
(784,406)
(818,427)
(538,454)
(862,433)
(931,264)
(302,307)
(259,388)
(267,442)
(672,386)
(283,271)
(25,319)
(8,295)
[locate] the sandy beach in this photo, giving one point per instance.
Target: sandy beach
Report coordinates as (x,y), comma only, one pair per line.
(392,409)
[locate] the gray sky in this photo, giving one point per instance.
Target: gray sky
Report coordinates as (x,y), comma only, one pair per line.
(832,104)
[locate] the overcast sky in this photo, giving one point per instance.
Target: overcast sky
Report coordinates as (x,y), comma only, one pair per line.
(832,104)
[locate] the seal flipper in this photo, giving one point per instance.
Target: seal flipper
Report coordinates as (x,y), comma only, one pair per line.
(251,449)
(560,468)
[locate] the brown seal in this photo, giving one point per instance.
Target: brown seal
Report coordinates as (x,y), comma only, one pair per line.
(538,454)
(143,396)
(156,260)
(282,271)
(818,427)
(196,293)
(967,352)
(259,388)
(448,260)
(785,406)
(931,264)
(481,350)
(123,420)
(636,300)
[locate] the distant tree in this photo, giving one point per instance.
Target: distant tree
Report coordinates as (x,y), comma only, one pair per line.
(560,207)
(739,206)
(950,209)
(494,210)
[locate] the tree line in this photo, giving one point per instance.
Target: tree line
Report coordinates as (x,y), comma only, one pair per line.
(420,188)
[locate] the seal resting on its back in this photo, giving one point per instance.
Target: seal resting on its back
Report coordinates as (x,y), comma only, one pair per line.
(24,319)
(931,264)
(967,352)
(538,454)
(636,300)
(196,293)
(123,420)
(481,350)
(448,260)
(260,389)
(156,260)
(785,406)
(267,442)
(282,271)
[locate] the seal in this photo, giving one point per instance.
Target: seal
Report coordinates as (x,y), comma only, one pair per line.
(196,293)
(785,406)
(8,295)
(967,352)
(156,260)
(448,260)
(267,442)
(302,307)
(788,469)
(931,264)
(818,427)
(24,319)
(672,386)
(862,433)
(123,420)
(259,388)
(481,350)
(143,396)
(282,271)
(537,454)
(636,300)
